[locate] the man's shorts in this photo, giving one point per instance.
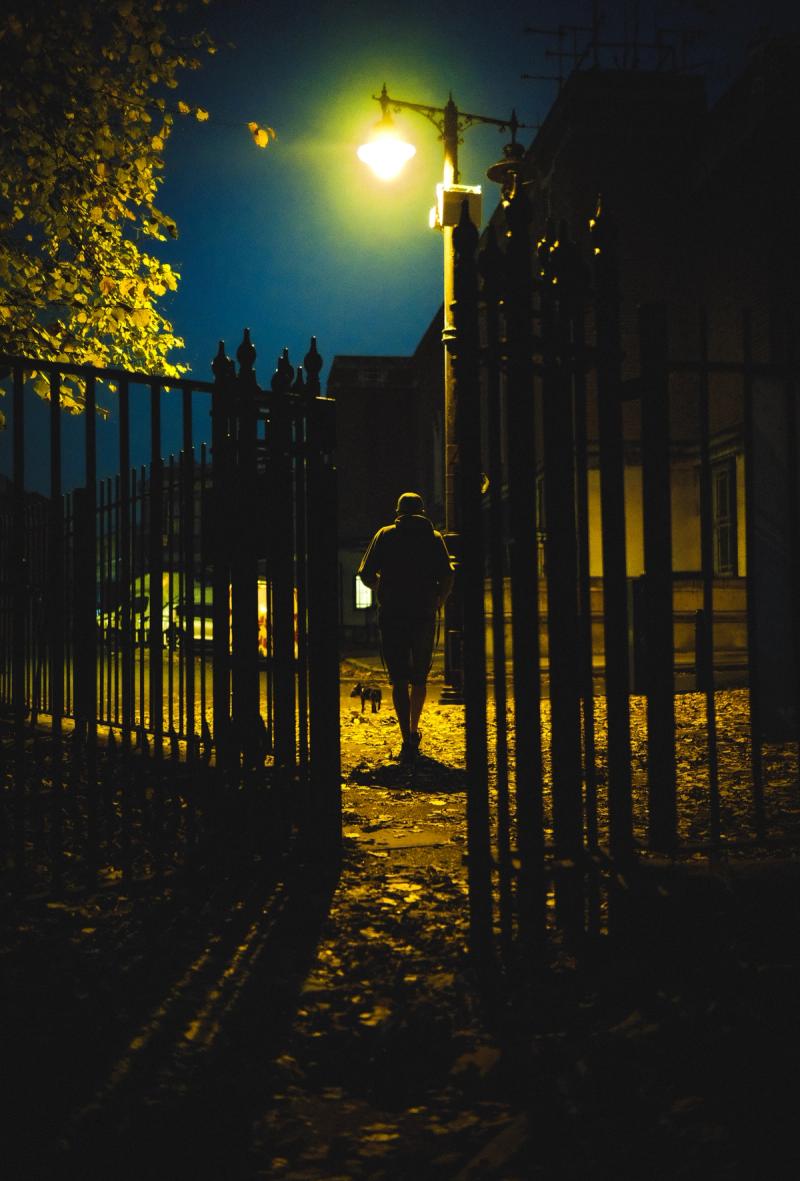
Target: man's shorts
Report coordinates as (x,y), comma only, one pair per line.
(407,646)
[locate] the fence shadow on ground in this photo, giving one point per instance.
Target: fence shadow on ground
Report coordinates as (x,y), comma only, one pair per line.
(159,1069)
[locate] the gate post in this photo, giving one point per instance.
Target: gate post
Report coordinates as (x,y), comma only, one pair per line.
(490,264)
(244,565)
(282,568)
(221,409)
(325,787)
(658,577)
(468,499)
(523,564)
(612,511)
(561,551)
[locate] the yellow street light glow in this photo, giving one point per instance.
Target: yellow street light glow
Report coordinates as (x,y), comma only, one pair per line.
(386,153)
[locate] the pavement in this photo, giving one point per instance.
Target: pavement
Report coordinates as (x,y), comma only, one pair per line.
(311,1024)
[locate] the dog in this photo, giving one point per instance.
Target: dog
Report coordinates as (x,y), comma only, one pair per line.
(368,693)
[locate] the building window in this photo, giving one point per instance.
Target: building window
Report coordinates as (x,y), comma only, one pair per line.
(363,594)
(723,516)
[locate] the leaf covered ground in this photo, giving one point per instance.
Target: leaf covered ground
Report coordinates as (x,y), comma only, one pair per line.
(305,1026)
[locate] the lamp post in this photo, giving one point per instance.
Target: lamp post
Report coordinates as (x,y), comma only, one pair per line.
(386,153)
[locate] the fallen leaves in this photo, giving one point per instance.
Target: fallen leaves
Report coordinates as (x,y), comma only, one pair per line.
(375,1015)
(380,1133)
(386,1067)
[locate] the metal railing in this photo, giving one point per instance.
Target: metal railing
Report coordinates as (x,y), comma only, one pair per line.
(165,634)
(582,643)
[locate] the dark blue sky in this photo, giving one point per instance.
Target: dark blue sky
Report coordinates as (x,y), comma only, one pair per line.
(299,238)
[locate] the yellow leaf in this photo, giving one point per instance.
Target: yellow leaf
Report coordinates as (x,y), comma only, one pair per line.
(69,401)
(183,107)
(261,135)
(375,1016)
(200,115)
(157,143)
(96,213)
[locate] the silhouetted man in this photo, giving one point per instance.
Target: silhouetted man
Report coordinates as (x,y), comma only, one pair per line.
(409,566)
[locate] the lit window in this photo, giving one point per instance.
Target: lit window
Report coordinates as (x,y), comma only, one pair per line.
(363,594)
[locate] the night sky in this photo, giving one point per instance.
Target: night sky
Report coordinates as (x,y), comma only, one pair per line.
(300,238)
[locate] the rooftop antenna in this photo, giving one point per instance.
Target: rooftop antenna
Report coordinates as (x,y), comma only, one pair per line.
(629,53)
(537,32)
(577,55)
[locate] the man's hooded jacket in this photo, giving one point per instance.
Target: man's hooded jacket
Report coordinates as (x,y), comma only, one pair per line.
(409,565)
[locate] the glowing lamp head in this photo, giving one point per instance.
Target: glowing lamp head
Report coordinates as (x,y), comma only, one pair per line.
(385,152)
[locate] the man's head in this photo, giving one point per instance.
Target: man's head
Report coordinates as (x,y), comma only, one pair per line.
(408,503)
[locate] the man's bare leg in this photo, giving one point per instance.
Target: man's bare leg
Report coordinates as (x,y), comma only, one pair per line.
(416,703)
(400,701)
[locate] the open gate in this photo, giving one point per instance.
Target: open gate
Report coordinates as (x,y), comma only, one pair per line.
(626,534)
(167,633)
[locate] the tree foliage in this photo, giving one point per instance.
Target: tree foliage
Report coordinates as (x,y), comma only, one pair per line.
(87,103)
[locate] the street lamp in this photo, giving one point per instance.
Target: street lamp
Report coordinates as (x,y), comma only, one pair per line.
(386,153)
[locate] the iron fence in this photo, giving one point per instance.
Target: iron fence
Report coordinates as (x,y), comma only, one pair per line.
(628,533)
(167,632)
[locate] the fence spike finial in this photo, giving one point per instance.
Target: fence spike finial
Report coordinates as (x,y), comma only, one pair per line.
(284,372)
(221,365)
(312,363)
(246,354)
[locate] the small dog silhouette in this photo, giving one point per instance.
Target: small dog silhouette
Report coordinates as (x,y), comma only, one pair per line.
(368,693)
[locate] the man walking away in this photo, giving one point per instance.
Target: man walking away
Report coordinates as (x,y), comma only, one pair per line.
(409,566)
